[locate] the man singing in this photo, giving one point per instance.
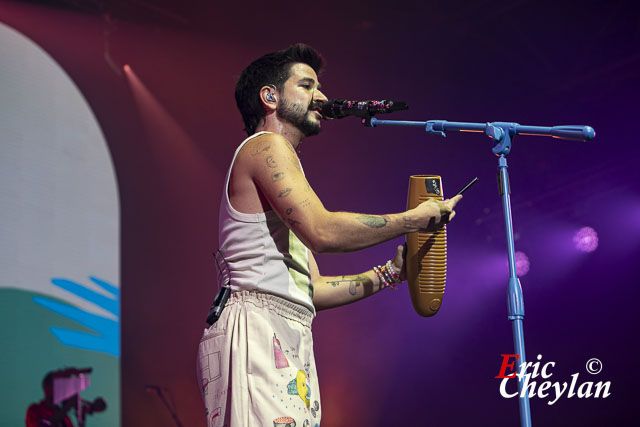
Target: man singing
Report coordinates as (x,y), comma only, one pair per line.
(256,364)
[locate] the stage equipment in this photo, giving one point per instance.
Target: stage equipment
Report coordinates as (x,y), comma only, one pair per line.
(426,255)
(98,405)
(224,281)
(74,383)
(159,391)
(466,187)
(69,386)
(339,108)
(502,134)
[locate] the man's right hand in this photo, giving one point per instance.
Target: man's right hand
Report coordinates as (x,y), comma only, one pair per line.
(432,214)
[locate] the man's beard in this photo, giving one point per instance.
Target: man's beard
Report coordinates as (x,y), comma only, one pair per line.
(298,116)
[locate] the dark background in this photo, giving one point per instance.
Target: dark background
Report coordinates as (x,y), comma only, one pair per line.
(172,134)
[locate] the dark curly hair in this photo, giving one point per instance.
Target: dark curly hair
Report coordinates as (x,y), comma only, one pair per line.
(270,69)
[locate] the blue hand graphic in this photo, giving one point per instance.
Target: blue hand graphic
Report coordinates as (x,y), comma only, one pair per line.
(107,337)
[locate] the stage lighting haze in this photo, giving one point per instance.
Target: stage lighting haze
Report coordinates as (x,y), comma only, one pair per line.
(586,239)
(522,263)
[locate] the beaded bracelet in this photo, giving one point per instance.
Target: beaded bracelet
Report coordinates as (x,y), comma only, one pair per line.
(381,278)
(387,276)
(395,276)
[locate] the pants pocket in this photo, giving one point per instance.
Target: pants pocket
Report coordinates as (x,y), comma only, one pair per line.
(213,375)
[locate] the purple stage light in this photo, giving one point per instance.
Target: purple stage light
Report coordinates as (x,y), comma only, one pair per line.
(586,239)
(522,263)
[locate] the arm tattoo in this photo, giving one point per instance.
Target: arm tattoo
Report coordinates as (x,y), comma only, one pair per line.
(261,148)
(352,288)
(293,222)
(277,176)
(373,221)
(335,283)
(285,192)
(353,282)
(270,162)
(357,281)
(305,203)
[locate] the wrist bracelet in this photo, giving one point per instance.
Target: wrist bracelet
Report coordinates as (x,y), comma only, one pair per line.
(385,276)
(395,276)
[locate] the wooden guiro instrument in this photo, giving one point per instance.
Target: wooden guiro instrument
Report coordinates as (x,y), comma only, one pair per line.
(426,257)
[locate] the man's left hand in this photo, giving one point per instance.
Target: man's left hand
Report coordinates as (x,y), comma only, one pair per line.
(398,263)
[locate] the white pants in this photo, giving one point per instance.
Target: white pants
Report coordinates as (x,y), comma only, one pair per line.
(256,365)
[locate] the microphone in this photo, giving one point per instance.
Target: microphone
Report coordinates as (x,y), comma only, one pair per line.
(339,108)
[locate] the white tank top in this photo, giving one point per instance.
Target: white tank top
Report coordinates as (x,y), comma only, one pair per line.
(261,252)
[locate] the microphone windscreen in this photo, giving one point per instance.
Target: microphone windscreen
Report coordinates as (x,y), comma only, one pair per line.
(330,109)
(397,106)
(339,108)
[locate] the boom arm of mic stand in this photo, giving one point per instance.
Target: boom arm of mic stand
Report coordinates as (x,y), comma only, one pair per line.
(439,127)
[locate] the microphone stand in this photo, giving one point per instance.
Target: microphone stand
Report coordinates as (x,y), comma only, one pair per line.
(502,134)
(171,409)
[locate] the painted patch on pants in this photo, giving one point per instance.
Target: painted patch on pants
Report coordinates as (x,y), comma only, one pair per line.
(210,370)
(284,422)
(315,408)
(278,354)
(300,386)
